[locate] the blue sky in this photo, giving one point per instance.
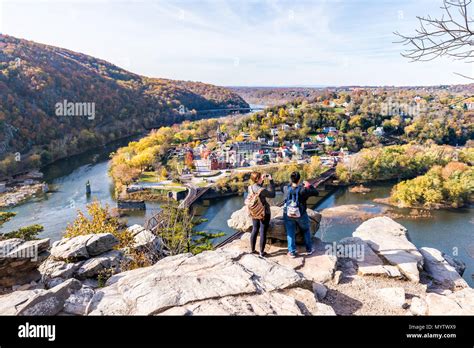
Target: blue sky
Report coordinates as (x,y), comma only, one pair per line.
(240,42)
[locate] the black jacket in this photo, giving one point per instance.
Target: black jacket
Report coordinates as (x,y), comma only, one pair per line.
(267,192)
(303,195)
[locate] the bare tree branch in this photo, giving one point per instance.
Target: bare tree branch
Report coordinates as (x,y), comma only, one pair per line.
(451,36)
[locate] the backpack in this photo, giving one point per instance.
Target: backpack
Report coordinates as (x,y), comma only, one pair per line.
(254,204)
(291,203)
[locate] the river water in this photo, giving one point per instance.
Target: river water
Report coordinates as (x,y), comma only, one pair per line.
(451,231)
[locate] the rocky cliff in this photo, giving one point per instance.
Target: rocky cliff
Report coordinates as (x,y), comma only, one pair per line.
(377,271)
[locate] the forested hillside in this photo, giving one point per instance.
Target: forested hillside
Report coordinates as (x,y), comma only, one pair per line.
(35,77)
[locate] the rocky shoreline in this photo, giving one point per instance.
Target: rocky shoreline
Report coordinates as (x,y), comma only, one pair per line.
(20,194)
(377,271)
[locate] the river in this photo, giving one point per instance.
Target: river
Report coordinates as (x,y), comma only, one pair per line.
(450,231)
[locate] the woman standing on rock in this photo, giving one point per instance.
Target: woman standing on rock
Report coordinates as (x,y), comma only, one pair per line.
(259,209)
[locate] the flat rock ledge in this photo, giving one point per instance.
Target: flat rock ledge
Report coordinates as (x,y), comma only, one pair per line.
(378,271)
(225,281)
(389,240)
(19,260)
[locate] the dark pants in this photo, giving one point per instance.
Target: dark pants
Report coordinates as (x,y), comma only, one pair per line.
(260,226)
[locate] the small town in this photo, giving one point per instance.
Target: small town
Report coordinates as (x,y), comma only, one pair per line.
(222,158)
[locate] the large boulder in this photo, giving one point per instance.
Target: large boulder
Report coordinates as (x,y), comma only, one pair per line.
(91,268)
(77,303)
(442,273)
(83,247)
(369,264)
(390,241)
(52,268)
(146,242)
(241,221)
(186,280)
(54,272)
(38,302)
(19,260)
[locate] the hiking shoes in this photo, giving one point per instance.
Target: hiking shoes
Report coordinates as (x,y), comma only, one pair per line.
(292,254)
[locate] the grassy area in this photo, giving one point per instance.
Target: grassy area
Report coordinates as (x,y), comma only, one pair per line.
(202,184)
(175,189)
(210,175)
(150,177)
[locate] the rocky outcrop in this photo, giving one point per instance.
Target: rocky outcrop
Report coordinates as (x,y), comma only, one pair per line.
(186,279)
(82,247)
(352,213)
(82,257)
(241,221)
(441,271)
(38,302)
(360,189)
(146,243)
(19,260)
(368,263)
(457,303)
(76,303)
(91,268)
(369,275)
(390,242)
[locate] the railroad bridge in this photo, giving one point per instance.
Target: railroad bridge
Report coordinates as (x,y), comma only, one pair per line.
(194,193)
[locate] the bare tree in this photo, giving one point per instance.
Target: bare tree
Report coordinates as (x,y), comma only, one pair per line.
(450,36)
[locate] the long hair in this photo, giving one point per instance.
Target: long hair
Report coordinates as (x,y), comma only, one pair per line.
(255,177)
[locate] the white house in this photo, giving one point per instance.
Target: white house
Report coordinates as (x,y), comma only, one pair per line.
(320,138)
(379,131)
(296,149)
(329,141)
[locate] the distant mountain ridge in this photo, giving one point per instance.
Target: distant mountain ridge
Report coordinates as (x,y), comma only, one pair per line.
(35,77)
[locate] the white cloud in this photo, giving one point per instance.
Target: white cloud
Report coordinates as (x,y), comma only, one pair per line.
(275,42)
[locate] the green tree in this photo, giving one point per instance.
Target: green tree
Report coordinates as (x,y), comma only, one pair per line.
(178,234)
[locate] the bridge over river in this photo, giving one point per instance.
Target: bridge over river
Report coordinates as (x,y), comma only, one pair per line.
(194,193)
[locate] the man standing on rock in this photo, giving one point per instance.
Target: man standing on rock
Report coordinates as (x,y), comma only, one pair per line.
(295,215)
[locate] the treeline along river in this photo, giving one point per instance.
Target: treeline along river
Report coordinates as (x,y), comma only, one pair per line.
(451,231)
